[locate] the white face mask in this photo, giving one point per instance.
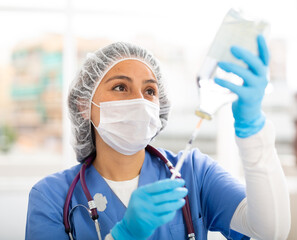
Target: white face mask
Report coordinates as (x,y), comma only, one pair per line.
(128,125)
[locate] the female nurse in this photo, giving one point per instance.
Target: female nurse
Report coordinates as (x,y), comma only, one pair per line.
(117,105)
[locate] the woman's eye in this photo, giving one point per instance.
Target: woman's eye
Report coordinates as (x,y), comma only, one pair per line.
(120,88)
(151,92)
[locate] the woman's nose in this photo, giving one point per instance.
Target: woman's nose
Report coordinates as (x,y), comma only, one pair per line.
(137,94)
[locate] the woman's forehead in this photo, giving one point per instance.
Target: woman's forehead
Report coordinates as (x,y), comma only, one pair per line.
(131,66)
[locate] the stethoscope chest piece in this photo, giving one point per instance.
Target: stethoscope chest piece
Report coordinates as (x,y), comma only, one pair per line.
(100,202)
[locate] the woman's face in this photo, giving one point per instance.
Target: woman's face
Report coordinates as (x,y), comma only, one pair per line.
(128,79)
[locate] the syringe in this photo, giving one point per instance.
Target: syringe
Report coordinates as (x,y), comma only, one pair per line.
(187,149)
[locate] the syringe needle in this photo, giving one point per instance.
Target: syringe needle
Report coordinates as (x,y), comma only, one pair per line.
(187,148)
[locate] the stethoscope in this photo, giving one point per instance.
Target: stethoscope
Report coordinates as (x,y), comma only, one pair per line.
(92,206)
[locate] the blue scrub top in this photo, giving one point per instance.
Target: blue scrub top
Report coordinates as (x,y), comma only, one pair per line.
(213,194)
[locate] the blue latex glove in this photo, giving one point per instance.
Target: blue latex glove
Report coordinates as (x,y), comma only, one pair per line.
(249,119)
(150,206)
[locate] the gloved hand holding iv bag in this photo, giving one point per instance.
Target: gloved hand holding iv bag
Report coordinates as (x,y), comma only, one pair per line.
(150,206)
(249,119)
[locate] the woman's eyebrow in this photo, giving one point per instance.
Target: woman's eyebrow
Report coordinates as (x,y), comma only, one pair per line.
(129,79)
(150,81)
(119,77)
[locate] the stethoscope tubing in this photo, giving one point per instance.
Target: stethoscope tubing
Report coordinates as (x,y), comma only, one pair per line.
(186,208)
(67,203)
(87,162)
(86,190)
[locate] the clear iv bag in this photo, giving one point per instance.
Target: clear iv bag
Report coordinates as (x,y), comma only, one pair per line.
(236,29)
